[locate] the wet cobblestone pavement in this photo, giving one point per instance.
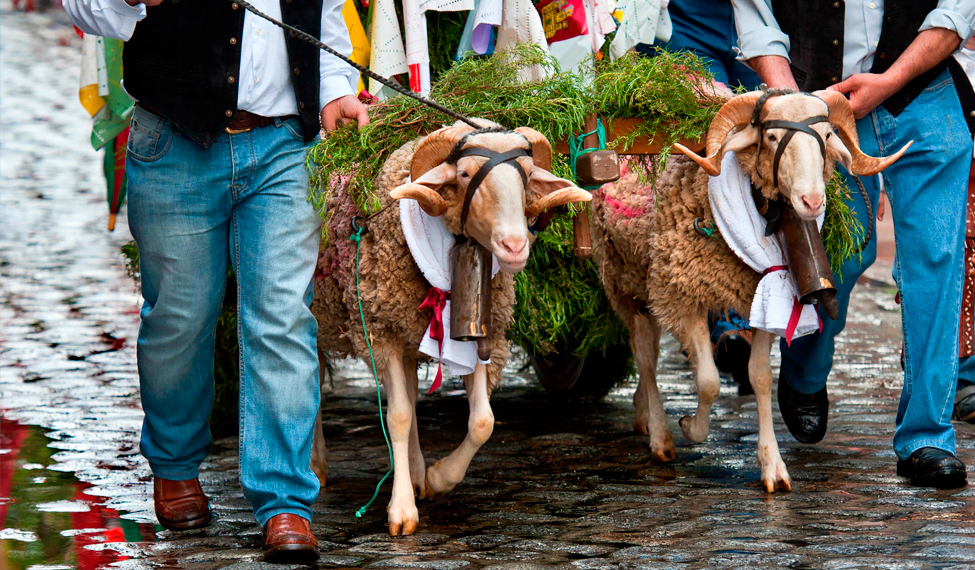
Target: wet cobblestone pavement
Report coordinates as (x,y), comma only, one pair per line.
(557,484)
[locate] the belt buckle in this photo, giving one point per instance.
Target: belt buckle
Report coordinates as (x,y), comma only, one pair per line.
(236,131)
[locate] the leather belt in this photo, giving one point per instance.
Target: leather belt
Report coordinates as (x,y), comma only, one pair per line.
(246,121)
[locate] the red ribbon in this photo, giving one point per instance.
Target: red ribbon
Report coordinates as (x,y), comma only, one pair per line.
(790,329)
(436,299)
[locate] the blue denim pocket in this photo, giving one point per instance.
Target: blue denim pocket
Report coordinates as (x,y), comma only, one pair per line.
(293,126)
(150,137)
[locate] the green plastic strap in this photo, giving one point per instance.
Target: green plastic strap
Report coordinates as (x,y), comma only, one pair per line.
(576,149)
(357,238)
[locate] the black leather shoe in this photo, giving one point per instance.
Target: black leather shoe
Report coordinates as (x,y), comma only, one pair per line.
(731,356)
(965,405)
(933,467)
(805,414)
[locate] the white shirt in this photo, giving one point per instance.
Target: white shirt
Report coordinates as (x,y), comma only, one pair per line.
(759,33)
(265,86)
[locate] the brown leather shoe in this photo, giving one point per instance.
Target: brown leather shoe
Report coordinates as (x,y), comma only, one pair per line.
(288,538)
(180,505)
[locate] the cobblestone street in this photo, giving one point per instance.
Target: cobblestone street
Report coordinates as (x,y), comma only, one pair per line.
(557,485)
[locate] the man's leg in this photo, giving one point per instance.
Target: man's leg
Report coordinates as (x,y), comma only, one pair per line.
(179,210)
(927,190)
(806,363)
(275,236)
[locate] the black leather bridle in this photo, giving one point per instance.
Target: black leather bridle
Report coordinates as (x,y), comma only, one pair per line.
(791,127)
(494,157)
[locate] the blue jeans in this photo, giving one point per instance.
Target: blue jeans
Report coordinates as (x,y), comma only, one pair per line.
(190,210)
(927,189)
(707,28)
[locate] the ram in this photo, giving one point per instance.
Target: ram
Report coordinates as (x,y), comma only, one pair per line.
(660,269)
(479,184)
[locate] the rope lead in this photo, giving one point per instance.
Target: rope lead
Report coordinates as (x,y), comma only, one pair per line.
(357,238)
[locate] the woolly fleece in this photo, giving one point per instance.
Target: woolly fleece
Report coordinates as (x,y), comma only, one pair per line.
(390,283)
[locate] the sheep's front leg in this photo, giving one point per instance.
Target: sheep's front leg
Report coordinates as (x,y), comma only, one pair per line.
(417,465)
(698,342)
(319,453)
(449,471)
(774,473)
(403,516)
(650,415)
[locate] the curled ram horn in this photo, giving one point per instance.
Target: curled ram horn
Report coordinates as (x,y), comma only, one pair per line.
(732,115)
(841,117)
(435,148)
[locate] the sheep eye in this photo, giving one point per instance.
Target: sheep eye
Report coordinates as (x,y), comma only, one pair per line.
(771,137)
(828,135)
(464,174)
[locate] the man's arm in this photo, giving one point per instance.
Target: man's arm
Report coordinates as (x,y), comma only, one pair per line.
(106,18)
(867,90)
(339,80)
(761,43)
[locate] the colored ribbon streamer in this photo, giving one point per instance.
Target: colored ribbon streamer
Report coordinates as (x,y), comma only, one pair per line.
(790,330)
(436,299)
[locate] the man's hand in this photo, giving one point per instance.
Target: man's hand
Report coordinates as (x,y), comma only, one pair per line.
(866,91)
(347,107)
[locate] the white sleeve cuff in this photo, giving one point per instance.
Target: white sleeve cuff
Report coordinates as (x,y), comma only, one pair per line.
(765,40)
(338,85)
(950,20)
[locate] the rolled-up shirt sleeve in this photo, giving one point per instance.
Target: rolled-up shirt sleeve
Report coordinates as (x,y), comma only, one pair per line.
(106,18)
(338,78)
(758,32)
(955,15)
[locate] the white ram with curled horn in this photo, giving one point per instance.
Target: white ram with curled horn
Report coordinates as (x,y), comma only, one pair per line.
(659,267)
(446,189)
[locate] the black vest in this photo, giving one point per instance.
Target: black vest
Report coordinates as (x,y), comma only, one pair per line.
(183,62)
(815,30)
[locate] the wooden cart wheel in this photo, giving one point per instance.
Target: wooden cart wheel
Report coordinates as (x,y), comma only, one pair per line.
(576,378)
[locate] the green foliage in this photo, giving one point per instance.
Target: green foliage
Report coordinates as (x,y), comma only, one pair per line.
(559,299)
(671,92)
(842,231)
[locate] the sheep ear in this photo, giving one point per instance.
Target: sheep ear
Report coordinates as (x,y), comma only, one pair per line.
(542,182)
(425,189)
(740,140)
(553,191)
(835,144)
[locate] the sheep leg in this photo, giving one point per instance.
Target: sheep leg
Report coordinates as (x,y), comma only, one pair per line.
(774,473)
(449,471)
(698,341)
(403,516)
(650,415)
(319,453)
(417,465)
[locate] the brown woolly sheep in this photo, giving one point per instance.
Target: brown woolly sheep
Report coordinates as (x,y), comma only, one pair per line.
(392,287)
(657,271)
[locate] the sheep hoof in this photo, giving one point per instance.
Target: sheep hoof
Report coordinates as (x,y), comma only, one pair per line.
(690,432)
(403,519)
(641,427)
(664,455)
(775,476)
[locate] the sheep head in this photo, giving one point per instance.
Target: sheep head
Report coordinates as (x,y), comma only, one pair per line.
(803,170)
(501,205)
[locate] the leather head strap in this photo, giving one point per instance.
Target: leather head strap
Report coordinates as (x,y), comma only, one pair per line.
(494,159)
(792,128)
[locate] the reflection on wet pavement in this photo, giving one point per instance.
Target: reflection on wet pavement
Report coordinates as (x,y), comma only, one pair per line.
(557,484)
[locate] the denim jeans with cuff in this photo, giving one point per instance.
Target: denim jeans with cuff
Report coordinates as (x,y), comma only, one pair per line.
(191,209)
(927,189)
